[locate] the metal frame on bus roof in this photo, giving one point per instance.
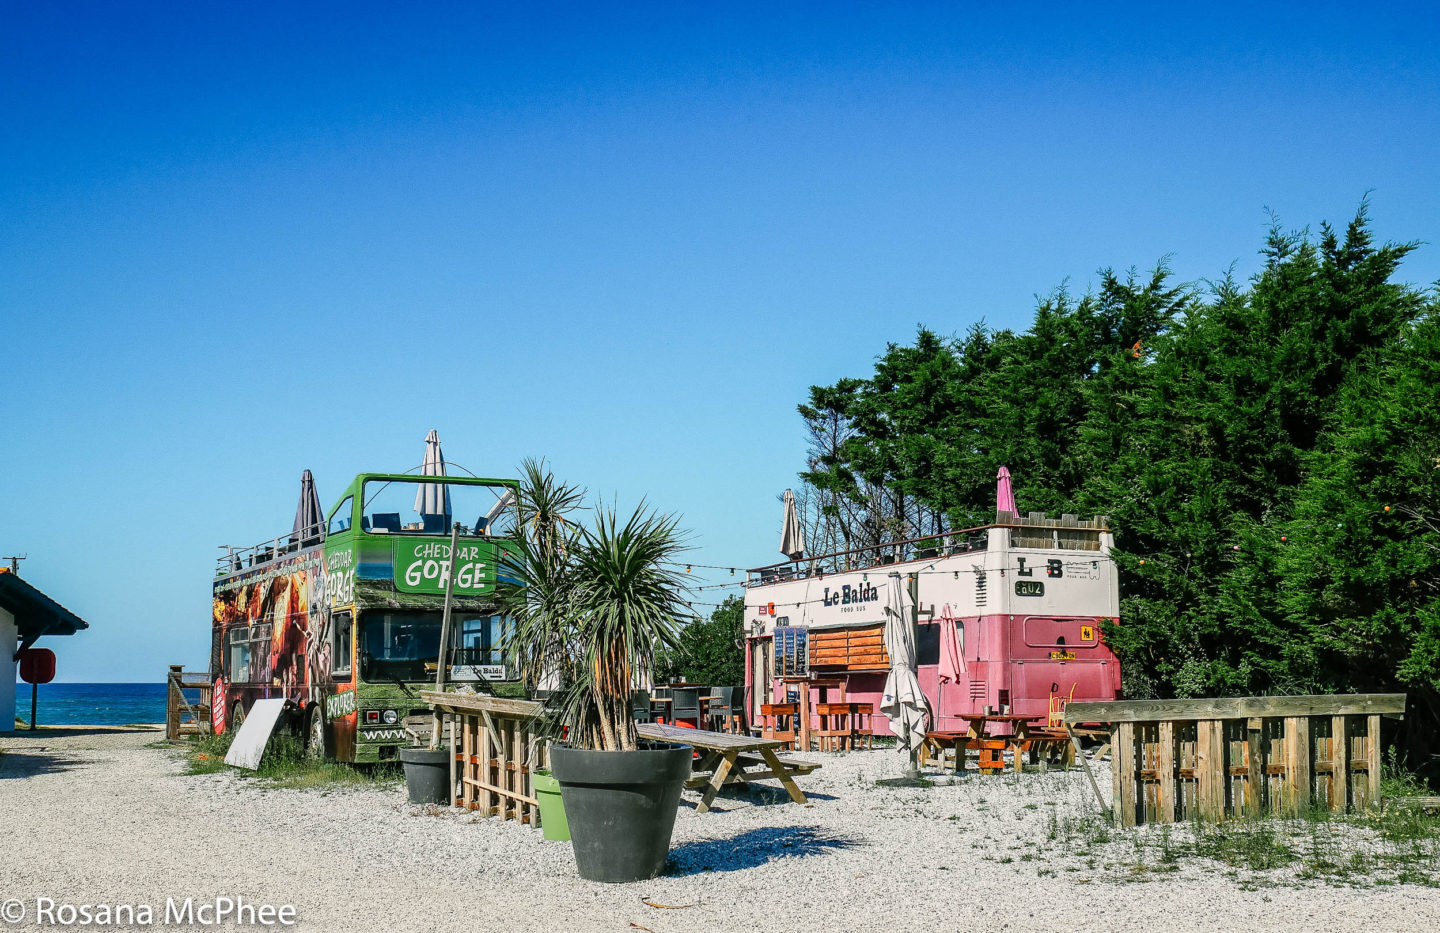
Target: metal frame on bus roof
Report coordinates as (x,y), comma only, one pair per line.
(770,574)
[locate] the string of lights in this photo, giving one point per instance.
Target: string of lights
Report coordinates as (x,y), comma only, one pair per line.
(1136,560)
(717,586)
(689,566)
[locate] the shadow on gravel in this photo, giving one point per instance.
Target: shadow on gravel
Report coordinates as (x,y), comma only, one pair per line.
(757,795)
(29,763)
(753,848)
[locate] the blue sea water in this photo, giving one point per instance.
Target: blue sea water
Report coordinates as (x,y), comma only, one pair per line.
(93,704)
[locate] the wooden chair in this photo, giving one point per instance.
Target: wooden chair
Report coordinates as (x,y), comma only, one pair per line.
(780,721)
(1055,718)
(862,724)
(836,732)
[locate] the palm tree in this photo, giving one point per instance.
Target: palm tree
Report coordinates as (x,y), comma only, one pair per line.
(591,605)
(535,582)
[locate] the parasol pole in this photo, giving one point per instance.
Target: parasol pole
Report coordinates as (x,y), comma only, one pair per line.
(912,772)
(444,657)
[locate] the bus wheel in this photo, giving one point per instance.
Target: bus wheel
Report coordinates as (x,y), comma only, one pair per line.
(315,739)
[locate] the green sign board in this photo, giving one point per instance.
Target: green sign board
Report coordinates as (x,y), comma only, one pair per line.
(423,566)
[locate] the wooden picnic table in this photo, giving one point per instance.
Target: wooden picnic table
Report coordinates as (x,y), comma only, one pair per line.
(1027,737)
(730,759)
(938,742)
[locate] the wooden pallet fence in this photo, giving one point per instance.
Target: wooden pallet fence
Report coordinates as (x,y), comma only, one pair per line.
(855,649)
(496,745)
(181,716)
(1223,758)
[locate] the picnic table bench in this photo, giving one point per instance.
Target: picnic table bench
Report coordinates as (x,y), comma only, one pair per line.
(731,759)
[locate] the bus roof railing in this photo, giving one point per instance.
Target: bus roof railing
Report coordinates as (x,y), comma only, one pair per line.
(1067,532)
(236,559)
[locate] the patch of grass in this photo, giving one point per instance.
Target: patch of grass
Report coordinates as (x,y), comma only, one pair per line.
(207,754)
(1396,847)
(1397,781)
(285,765)
(1253,846)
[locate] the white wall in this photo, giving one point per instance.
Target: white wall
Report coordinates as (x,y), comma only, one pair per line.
(1087,585)
(9,641)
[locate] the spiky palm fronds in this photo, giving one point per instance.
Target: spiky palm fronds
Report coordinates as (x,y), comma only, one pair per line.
(590,606)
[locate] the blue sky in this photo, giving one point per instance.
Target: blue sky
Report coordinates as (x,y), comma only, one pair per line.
(241,241)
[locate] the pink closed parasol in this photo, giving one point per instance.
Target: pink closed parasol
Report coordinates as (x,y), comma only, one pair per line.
(1004,493)
(952,648)
(952,656)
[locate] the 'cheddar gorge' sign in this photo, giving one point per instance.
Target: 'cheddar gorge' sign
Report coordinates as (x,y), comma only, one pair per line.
(423,566)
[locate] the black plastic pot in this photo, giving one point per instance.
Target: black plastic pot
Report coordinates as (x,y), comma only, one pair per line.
(621,807)
(427,774)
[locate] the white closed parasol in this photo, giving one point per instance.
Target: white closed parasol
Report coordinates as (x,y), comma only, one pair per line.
(792,536)
(433,498)
(903,702)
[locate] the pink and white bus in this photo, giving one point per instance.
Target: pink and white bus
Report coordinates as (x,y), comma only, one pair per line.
(1006,615)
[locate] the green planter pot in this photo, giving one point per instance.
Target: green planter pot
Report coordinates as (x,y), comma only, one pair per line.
(552,807)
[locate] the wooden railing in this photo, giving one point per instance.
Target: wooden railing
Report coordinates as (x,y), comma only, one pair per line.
(181,716)
(496,745)
(1217,759)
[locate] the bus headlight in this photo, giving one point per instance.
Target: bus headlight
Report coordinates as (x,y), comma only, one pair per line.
(390,716)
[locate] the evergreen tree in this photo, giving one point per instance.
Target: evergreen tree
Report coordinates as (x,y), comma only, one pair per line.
(708,650)
(1245,442)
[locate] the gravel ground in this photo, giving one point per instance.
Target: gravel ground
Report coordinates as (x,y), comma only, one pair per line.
(94,816)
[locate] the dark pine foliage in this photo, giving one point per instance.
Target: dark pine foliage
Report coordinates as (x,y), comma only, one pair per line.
(1245,439)
(707,651)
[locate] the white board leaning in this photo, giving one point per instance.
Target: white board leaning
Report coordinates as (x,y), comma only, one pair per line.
(249,745)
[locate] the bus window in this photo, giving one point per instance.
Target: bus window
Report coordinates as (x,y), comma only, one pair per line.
(927,643)
(481,640)
(341,630)
(340,520)
(248,660)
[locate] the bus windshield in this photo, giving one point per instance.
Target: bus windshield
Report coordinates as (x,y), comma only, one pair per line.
(405,646)
(398,645)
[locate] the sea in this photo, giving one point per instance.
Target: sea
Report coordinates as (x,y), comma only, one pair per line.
(92,704)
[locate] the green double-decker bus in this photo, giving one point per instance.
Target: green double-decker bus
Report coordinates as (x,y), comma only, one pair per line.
(343,618)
